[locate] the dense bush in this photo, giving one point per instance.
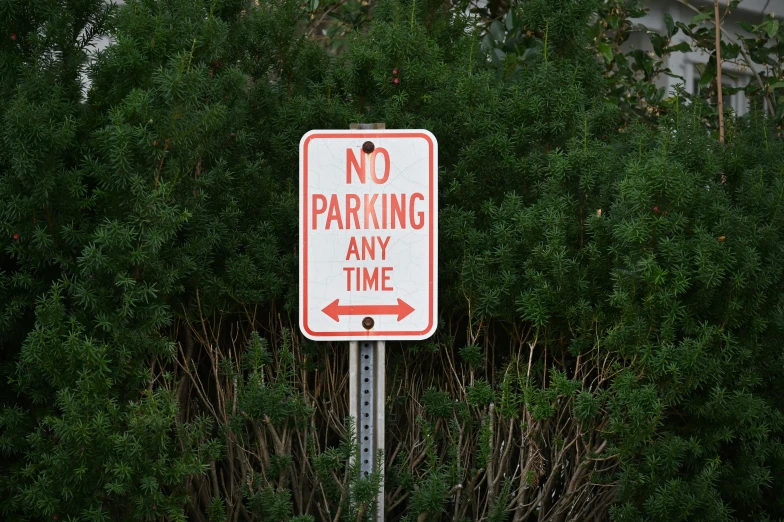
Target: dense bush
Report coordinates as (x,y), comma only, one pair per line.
(611,303)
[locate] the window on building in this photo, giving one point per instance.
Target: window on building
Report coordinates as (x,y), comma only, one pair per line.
(737,101)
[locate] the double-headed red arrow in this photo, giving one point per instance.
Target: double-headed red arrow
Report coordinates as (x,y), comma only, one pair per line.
(335,309)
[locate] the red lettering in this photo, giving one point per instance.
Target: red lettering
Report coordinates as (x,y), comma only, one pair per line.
(352,210)
(398,210)
(369,247)
(383,211)
(385,278)
(383,152)
(395,211)
(369,281)
(414,223)
(318,210)
(352,249)
(370,210)
(351,159)
(334,212)
(348,271)
(383,247)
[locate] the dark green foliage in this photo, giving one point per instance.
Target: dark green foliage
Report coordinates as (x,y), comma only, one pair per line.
(611,288)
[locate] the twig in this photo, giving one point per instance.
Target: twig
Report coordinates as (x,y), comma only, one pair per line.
(746,58)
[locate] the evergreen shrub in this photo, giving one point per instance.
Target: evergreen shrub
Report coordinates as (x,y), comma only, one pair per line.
(612,297)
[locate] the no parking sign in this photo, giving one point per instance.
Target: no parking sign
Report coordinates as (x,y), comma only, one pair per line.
(368,234)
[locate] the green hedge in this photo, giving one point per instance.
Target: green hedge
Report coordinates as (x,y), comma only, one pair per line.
(612,293)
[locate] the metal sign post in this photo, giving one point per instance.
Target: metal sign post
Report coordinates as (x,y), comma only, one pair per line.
(368,258)
(366,406)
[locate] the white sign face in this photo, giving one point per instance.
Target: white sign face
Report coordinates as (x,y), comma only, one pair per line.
(368,234)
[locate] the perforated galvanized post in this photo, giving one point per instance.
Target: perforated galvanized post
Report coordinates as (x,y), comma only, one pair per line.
(366,404)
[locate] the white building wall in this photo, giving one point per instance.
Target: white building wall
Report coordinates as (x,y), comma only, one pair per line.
(684,64)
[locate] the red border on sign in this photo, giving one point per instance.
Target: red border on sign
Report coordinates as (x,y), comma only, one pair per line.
(431,285)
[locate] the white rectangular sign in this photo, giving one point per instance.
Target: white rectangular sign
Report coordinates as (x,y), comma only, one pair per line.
(368,234)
